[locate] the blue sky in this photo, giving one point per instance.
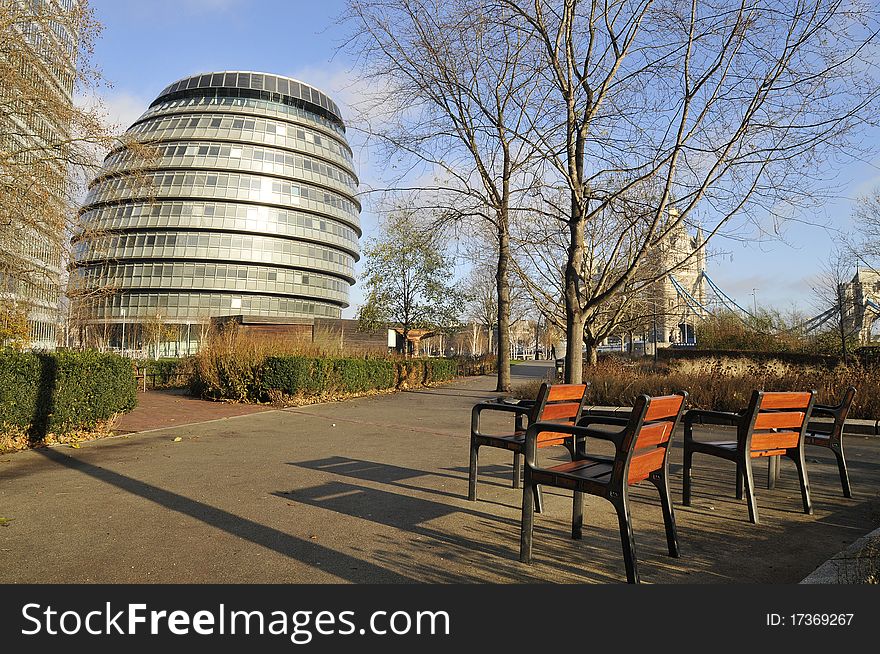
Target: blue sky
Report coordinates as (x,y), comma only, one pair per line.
(147,45)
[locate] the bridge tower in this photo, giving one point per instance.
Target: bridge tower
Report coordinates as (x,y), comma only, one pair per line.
(683,254)
(861,299)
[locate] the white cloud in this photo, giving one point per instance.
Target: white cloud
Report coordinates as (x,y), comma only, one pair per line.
(124,108)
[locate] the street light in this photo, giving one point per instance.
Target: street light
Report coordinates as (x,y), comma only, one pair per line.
(122,311)
(187,338)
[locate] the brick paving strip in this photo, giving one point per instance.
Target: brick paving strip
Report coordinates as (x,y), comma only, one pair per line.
(174,407)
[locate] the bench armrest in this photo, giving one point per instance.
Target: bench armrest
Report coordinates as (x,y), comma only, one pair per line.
(579,433)
(516,409)
(823,411)
(602,420)
(711,417)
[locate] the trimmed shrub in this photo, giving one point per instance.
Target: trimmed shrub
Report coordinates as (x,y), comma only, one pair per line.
(441,369)
(298,375)
(58,393)
(167,372)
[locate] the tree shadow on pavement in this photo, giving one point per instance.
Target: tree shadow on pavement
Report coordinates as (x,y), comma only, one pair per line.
(306,551)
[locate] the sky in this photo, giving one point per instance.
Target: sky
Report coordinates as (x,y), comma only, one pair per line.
(147,45)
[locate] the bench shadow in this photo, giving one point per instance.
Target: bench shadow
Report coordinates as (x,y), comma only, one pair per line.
(495,555)
(305,551)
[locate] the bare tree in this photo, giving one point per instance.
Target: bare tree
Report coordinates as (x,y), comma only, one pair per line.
(453,91)
(864,243)
(48,142)
(726,111)
(830,292)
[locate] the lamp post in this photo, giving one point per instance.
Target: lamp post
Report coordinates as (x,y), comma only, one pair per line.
(122,311)
(655,330)
(187,339)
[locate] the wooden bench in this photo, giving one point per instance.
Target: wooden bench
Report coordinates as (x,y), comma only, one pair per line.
(774,424)
(641,453)
(561,403)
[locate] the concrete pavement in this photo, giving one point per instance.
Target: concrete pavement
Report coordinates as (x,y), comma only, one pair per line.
(374,490)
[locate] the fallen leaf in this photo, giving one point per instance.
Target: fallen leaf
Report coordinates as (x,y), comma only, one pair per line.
(177,439)
(75,446)
(4,522)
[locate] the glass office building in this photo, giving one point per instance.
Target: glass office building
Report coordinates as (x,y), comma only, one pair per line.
(38,48)
(238,198)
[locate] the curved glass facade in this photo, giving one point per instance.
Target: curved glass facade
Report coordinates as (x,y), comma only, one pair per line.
(241,201)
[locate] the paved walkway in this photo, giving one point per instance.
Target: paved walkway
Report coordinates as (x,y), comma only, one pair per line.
(373,490)
(174,407)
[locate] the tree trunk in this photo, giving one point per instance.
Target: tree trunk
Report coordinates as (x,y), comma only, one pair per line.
(574,363)
(503,289)
(591,349)
(575,317)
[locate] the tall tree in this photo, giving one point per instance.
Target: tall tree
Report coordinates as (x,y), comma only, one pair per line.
(407,278)
(727,112)
(453,89)
(48,143)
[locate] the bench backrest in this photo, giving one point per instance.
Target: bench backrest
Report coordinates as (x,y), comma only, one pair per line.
(777,420)
(562,403)
(646,444)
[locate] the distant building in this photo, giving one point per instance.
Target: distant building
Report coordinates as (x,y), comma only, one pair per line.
(684,255)
(37,63)
(244,204)
(861,301)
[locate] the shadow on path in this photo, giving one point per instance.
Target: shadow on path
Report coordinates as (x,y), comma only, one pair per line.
(305,551)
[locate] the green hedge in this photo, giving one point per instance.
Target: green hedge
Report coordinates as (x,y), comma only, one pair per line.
(298,375)
(61,392)
(313,375)
(167,372)
(253,379)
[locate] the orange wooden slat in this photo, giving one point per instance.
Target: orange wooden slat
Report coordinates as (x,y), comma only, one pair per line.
(780,420)
(653,435)
(548,438)
(785,400)
(642,465)
(566,392)
(775,440)
(560,410)
(664,407)
(760,453)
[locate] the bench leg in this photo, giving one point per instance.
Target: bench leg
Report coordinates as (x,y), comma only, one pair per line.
(528,520)
(750,489)
(539,499)
(686,476)
(739,481)
(517,469)
(837,448)
(472,472)
(801,464)
(627,539)
(661,481)
(577,515)
(772,471)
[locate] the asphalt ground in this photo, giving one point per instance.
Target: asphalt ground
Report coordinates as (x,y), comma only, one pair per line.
(373,490)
